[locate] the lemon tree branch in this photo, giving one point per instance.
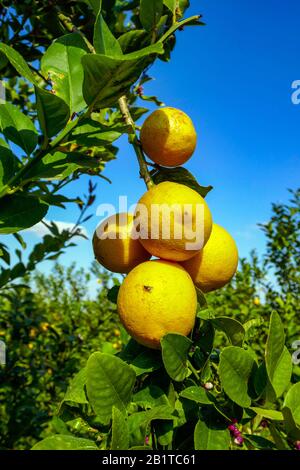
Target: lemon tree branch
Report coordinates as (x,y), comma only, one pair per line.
(134,141)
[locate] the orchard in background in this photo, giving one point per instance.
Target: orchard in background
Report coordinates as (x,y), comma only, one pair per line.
(202,391)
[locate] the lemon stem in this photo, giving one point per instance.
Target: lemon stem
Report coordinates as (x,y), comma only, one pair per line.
(134,141)
(194,371)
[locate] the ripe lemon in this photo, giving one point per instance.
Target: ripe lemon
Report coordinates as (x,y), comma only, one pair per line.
(114,247)
(157,297)
(168,137)
(174,221)
(216,264)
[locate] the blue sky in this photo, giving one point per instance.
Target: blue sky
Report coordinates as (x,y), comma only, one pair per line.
(233,77)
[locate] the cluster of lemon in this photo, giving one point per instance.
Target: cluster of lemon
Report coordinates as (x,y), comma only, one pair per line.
(159,296)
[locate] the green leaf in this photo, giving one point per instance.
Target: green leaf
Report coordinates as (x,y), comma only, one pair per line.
(208,438)
(120,433)
(204,345)
(110,383)
(59,165)
(104,41)
(205,314)
(18,62)
(275,344)
(179,25)
(145,362)
(197,394)
(62,64)
(292,401)
(133,40)
(260,379)
(281,376)
(179,175)
(280,441)
(150,13)
(235,369)
(53,112)
(95,4)
(274,415)
(75,392)
(150,397)
(21,240)
(175,349)
(146,51)
(291,427)
(171,4)
(140,358)
(91,133)
(233,329)
(164,431)
(251,326)
(65,442)
(259,442)
(202,302)
(278,360)
(8,163)
(18,128)
(112,294)
(106,79)
(139,423)
(19,212)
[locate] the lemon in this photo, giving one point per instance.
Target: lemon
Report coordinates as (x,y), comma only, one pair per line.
(174,221)
(44,326)
(114,245)
(32,332)
(157,297)
(256,301)
(168,137)
(216,264)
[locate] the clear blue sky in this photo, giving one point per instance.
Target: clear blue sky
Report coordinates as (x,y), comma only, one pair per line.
(233,77)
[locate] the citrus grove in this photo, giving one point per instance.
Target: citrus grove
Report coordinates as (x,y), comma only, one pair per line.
(178,350)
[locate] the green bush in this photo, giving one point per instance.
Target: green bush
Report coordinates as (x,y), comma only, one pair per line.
(50,327)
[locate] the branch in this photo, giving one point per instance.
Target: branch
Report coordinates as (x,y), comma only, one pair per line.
(133,139)
(177,25)
(73,29)
(39,74)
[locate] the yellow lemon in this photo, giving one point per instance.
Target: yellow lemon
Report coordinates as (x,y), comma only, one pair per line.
(30,346)
(174,221)
(32,332)
(256,301)
(157,297)
(44,326)
(114,245)
(168,137)
(216,264)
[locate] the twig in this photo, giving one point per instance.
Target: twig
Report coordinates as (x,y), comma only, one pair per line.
(133,139)
(39,74)
(190,365)
(73,29)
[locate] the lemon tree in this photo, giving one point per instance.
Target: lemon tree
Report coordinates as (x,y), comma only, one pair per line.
(169,387)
